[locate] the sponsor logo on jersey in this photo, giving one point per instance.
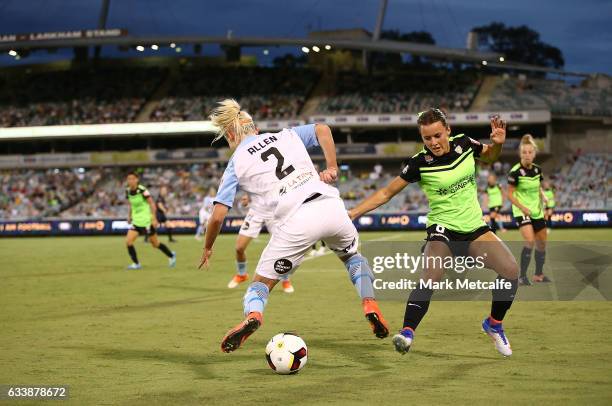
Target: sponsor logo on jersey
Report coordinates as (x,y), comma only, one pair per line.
(428,159)
(405,170)
(522,171)
(463,182)
(282,266)
(458,149)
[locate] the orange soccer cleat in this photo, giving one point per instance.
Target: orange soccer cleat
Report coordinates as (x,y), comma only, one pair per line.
(236,336)
(288,287)
(237,280)
(375,317)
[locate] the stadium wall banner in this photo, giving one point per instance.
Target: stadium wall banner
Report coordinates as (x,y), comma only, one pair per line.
(232,224)
(77,34)
(409,119)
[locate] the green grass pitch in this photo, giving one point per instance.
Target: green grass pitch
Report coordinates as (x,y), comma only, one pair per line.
(70,314)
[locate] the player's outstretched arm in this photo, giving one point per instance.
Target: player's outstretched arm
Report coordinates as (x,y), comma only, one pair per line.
(326,141)
(490,152)
(380,197)
(212,231)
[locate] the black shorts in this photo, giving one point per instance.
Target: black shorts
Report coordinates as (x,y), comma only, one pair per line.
(457,242)
(494,209)
(537,224)
(161,216)
(144,230)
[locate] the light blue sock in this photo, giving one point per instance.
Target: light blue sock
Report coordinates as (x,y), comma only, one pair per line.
(241,268)
(361,275)
(255,298)
(199,230)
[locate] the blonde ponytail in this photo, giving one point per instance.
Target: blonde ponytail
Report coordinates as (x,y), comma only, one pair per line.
(228,116)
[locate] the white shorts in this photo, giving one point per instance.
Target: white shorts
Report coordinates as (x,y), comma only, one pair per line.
(204,216)
(324,218)
(253,223)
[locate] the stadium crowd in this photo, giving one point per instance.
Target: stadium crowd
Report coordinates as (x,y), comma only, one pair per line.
(85,96)
(401,92)
(100,193)
(268,93)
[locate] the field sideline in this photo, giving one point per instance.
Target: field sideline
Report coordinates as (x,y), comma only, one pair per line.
(71,315)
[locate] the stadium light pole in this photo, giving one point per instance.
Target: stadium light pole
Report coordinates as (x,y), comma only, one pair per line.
(102,22)
(377,30)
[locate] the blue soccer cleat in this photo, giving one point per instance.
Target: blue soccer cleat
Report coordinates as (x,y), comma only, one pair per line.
(496,332)
(403,340)
(134,266)
(172,261)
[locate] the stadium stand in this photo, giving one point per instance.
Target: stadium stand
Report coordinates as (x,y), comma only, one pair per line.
(268,93)
(76,96)
(401,92)
(590,98)
(581,183)
(31,194)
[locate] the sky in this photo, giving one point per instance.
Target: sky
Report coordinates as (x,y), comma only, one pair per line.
(581,29)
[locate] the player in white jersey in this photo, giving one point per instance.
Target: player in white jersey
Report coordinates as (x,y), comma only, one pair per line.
(253,222)
(277,168)
(205,212)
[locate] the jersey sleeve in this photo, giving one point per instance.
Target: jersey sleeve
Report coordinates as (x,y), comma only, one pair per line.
(307,134)
(411,172)
(513,178)
(228,188)
(476,146)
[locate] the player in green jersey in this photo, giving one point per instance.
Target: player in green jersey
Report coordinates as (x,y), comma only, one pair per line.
(143,220)
(526,195)
(495,201)
(445,170)
(549,193)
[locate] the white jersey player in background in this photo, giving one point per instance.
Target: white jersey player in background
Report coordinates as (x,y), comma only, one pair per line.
(205,213)
(276,168)
(258,215)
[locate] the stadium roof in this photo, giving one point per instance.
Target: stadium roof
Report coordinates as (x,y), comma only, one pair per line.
(365,45)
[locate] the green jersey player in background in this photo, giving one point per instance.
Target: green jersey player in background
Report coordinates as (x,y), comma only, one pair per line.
(446,171)
(526,195)
(495,201)
(142,216)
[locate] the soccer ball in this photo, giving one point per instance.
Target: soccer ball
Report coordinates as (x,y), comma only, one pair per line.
(286,353)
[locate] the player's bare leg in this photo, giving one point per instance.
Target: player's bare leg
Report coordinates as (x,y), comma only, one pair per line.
(130,238)
(242,242)
(496,256)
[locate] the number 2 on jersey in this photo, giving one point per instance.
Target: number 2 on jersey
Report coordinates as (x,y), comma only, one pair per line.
(280,172)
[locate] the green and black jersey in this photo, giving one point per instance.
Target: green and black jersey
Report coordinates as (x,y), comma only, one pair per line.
(495,196)
(550,196)
(449,182)
(527,192)
(141,211)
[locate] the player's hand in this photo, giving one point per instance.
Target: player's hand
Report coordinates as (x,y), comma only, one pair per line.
(498,130)
(526,211)
(351,214)
(205,260)
(329,175)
